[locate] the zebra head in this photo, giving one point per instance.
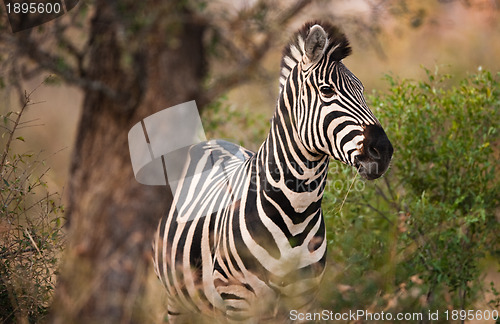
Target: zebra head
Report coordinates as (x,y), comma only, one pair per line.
(326,104)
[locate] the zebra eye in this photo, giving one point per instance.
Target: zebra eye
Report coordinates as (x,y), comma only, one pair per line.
(327,91)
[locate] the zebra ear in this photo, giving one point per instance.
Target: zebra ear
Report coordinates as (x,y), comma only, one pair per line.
(315,44)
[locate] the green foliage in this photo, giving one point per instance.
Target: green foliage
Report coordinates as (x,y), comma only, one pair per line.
(415,239)
(31,236)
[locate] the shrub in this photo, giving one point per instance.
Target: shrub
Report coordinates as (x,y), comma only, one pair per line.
(30,228)
(415,239)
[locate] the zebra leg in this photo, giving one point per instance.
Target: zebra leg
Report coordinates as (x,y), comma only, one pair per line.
(175,315)
(243,303)
(179,315)
(237,299)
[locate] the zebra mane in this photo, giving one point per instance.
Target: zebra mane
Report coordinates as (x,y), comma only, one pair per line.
(294,51)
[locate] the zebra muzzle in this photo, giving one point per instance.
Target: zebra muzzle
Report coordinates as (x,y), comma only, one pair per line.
(376,153)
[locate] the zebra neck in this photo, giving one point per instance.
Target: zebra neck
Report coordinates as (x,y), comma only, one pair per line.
(286,169)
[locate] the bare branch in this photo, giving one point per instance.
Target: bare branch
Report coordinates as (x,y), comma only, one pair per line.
(247,60)
(50,62)
(384,216)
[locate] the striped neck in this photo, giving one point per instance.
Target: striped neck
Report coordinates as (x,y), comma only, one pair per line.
(287,168)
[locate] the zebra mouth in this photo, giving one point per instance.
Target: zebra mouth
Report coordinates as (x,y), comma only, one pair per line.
(375,154)
(370,170)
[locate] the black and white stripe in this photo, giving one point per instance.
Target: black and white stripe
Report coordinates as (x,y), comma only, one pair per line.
(245,235)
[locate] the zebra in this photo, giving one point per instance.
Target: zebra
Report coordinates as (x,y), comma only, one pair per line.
(246,241)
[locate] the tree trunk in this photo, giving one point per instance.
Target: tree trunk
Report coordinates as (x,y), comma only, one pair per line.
(150,56)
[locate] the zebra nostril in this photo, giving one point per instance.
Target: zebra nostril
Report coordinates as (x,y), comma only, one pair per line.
(373,153)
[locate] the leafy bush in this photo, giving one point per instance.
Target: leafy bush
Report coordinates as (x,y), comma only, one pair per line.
(30,228)
(415,239)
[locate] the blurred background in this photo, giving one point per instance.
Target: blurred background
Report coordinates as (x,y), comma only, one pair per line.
(241,49)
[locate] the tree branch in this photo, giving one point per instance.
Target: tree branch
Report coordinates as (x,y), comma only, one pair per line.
(247,64)
(52,64)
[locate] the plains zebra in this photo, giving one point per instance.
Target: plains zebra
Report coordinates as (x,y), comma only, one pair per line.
(249,234)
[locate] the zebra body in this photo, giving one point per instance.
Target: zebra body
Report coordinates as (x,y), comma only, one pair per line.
(245,234)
